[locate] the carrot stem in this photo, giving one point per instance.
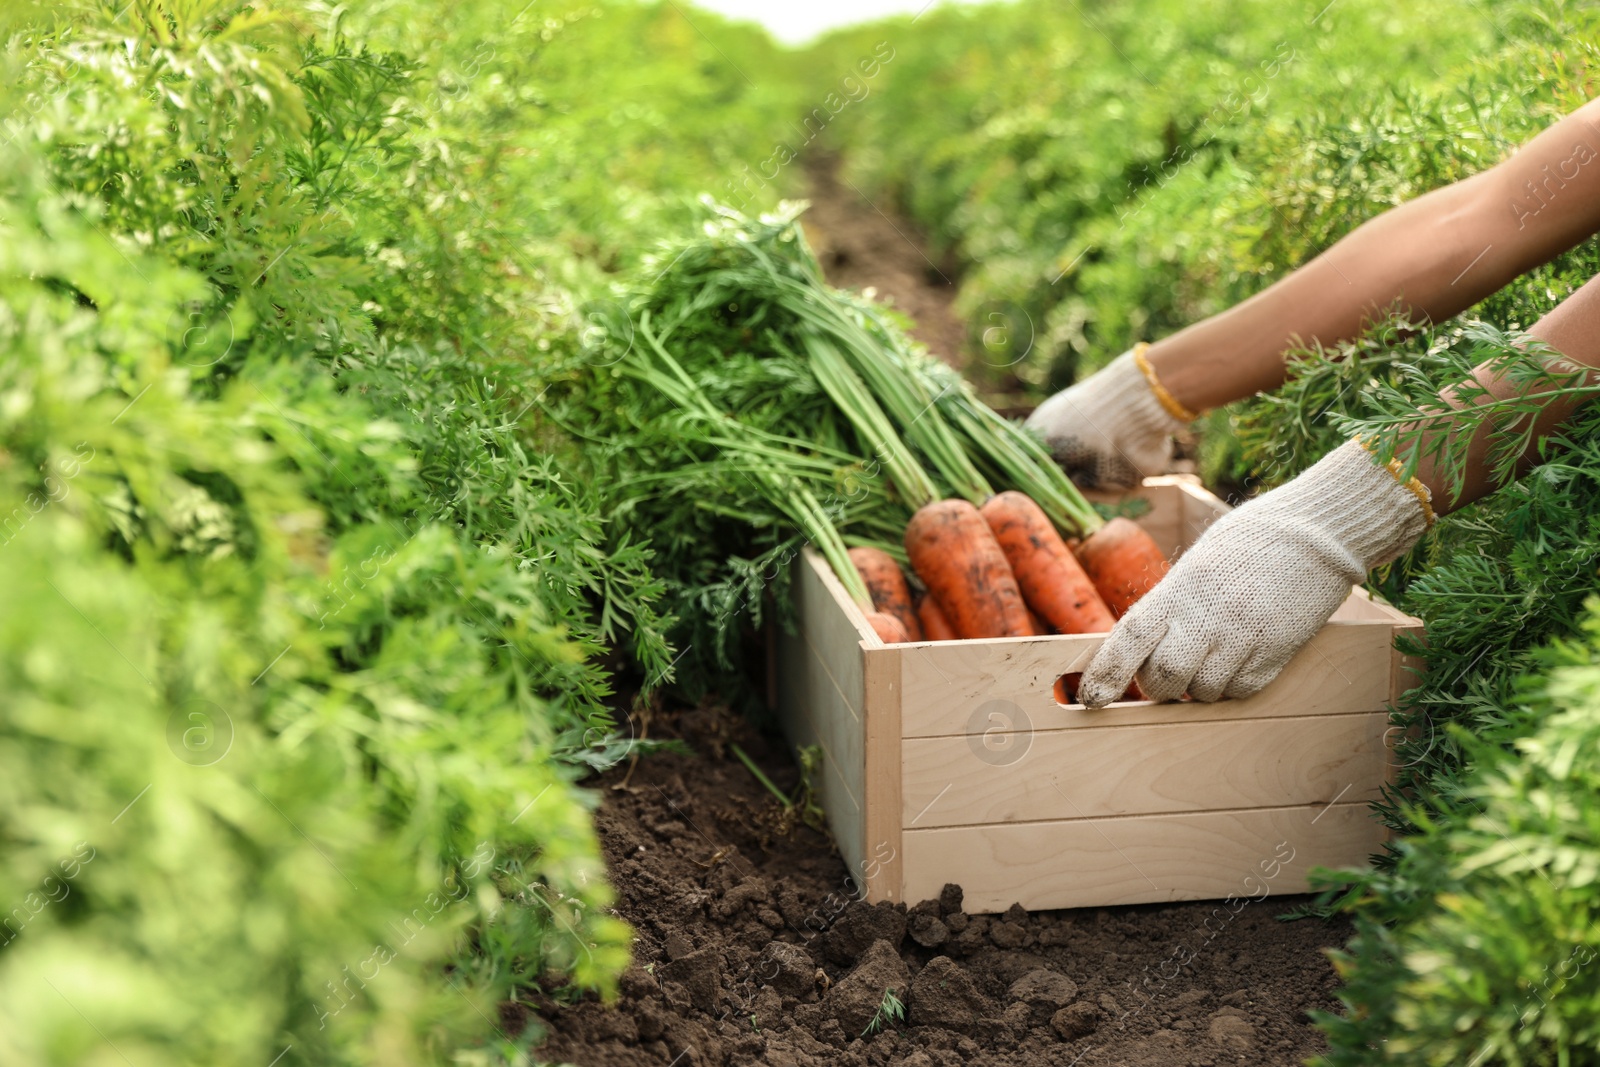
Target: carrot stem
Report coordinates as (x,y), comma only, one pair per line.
(852,397)
(775,478)
(750,765)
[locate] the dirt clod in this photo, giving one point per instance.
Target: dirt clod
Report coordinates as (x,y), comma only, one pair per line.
(1075,1021)
(678,946)
(788,969)
(1009,934)
(944,995)
(855,999)
(700,973)
(1041,988)
(927,931)
(860,926)
(1232,1030)
(950,899)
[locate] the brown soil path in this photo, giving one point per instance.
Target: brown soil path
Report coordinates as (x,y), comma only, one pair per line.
(863,244)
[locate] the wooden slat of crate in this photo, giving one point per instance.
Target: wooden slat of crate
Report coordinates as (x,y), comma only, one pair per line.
(946,682)
(880,869)
(822,697)
(828,674)
(1200,510)
(1135,860)
(1361,606)
(1109,771)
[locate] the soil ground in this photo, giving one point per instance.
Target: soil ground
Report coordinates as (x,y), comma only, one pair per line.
(753,947)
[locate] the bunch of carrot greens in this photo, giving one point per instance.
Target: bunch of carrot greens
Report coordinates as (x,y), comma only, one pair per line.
(765,407)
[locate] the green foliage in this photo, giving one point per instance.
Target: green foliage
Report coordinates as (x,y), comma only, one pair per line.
(579,136)
(717,441)
(1494,584)
(744,410)
(1486,952)
(281,735)
(303,605)
(891,1010)
(1114,173)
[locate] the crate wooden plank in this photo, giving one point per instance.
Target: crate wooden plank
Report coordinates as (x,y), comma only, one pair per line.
(1407,669)
(1406,673)
(947,683)
(1138,770)
(1200,510)
(813,712)
(1362,606)
(880,870)
(1164,521)
(822,698)
(1140,859)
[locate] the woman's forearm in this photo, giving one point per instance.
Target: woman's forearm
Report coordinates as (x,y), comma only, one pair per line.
(1571,329)
(1434,257)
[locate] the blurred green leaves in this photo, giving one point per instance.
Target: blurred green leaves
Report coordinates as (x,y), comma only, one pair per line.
(1494,959)
(302,602)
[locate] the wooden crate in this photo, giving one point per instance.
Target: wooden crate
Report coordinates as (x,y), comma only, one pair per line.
(952,761)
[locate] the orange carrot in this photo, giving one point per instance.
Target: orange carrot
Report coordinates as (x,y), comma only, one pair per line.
(1038,624)
(890,593)
(958,559)
(1051,578)
(935,627)
(1123,562)
(887,627)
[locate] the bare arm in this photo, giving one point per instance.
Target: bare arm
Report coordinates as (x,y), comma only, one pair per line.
(1263,579)
(1572,329)
(1437,255)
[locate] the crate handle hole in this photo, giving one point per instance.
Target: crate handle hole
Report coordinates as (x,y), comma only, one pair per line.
(1065,692)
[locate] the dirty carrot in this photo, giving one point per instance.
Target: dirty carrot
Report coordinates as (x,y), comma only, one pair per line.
(887,627)
(887,587)
(1052,580)
(954,553)
(935,627)
(1124,563)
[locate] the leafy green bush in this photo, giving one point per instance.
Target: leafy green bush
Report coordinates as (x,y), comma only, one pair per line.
(302,610)
(1487,952)
(280,735)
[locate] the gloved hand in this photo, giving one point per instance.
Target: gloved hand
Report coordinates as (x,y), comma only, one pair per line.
(1110,430)
(1260,583)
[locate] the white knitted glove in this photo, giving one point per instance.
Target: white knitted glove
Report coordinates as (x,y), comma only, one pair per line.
(1259,584)
(1109,430)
